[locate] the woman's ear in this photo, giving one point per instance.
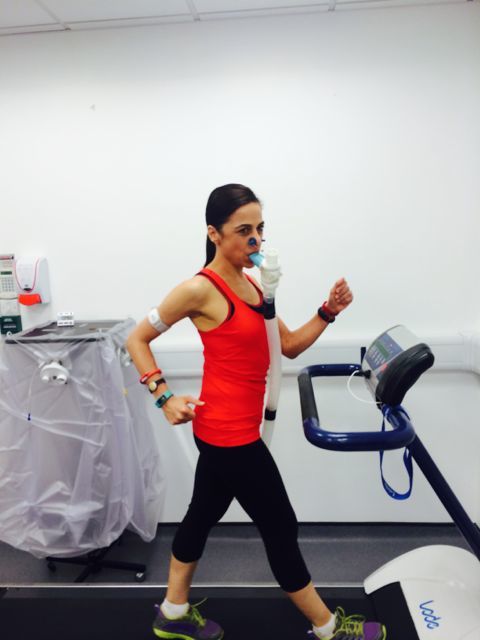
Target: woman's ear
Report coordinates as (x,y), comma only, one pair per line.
(212,233)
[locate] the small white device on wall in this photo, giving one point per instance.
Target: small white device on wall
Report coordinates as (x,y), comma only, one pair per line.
(32,281)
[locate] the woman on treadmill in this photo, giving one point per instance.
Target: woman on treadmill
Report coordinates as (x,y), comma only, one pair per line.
(225,304)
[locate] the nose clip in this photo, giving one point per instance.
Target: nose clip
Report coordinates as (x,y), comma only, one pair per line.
(252,242)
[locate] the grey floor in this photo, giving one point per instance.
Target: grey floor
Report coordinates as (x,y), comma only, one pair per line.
(336,554)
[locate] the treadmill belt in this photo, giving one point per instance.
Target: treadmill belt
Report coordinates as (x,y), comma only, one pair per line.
(391,602)
(106,613)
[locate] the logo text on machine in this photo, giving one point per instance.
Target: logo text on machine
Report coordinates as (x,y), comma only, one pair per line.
(431,620)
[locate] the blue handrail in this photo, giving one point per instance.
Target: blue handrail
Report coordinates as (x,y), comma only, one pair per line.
(401,436)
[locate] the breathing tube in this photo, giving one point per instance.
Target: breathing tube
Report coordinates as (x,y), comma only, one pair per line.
(269,267)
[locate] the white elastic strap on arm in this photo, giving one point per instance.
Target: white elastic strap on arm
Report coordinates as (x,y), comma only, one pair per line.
(156,322)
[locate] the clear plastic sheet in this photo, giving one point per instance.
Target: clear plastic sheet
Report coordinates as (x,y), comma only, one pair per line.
(79,461)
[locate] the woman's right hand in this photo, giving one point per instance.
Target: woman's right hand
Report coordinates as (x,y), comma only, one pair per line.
(177,409)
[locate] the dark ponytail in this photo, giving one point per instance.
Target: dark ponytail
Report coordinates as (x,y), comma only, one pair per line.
(222,202)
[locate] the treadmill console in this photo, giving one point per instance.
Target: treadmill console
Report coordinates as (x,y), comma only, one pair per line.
(393,363)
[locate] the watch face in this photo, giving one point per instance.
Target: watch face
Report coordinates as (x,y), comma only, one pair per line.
(152,386)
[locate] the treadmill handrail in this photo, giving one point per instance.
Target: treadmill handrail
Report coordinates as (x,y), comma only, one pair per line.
(402,434)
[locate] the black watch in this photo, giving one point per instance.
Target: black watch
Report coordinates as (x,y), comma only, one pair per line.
(154,384)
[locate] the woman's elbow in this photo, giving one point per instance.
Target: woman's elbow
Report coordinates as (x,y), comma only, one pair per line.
(129,344)
(289,352)
(132,342)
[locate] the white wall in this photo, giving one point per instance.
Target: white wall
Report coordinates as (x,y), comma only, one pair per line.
(358,130)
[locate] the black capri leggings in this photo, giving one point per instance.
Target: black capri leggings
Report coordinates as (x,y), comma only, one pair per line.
(249,474)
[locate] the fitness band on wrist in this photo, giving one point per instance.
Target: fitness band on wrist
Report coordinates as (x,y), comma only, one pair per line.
(149,374)
(326,308)
(326,314)
(163,399)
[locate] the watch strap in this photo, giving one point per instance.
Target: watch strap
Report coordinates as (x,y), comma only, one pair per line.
(326,314)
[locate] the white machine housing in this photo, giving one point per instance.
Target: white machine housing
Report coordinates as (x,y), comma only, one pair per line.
(441,585)
(393,363)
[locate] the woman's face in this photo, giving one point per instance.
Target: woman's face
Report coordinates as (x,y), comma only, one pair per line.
(244,225)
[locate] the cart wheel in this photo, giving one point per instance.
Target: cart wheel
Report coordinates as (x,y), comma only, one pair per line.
(52,566)
(140,577)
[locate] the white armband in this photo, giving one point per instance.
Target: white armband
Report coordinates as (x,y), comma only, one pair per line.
(156,322)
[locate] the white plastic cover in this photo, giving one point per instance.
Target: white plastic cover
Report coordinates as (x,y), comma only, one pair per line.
(441,585)
(79,462)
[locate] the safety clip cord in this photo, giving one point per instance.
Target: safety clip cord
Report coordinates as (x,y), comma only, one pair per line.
(407,459)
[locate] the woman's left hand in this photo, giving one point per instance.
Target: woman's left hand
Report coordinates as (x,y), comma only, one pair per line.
(340,296)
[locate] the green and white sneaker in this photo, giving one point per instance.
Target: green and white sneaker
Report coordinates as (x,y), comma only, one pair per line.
(191,626)
(354,627)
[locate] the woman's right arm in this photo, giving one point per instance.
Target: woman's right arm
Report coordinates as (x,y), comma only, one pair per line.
(186,300)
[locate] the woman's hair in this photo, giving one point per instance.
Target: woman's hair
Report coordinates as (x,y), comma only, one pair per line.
(222,202)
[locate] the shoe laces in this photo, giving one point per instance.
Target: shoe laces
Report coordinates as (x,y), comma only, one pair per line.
(350,625)
(195,614)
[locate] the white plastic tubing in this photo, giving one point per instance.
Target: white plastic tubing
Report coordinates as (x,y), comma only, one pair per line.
(270,275)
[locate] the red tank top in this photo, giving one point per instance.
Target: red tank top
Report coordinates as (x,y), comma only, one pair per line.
(234,372)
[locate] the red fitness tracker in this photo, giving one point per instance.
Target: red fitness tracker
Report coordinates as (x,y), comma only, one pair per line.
(149,374)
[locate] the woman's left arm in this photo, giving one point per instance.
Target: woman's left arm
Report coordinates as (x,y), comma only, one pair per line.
(295,342)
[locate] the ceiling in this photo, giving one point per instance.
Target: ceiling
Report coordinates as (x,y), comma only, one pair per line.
(28,16)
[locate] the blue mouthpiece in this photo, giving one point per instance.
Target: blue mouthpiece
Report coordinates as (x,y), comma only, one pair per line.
(257,259)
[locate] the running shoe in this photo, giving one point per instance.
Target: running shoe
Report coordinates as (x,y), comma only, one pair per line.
(354,628)
(192,626)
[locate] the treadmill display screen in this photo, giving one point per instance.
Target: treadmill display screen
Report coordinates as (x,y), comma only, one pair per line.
(382,351)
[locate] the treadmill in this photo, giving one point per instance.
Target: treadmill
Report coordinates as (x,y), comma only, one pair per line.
(431,592)
(409,594)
